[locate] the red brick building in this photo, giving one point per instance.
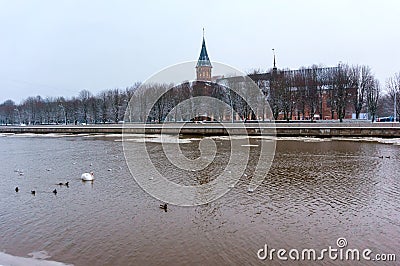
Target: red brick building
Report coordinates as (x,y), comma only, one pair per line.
(304,94)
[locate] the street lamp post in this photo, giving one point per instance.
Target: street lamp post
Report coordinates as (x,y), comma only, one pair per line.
(232,114)
(395,107)
(231,104)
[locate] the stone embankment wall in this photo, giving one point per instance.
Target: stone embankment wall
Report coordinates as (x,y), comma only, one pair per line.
(386,130)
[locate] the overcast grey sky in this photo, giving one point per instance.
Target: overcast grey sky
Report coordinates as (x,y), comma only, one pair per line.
(57,48)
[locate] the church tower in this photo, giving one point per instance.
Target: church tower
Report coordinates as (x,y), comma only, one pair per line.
(203,67)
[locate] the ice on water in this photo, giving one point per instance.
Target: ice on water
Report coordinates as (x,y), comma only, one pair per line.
(38,259)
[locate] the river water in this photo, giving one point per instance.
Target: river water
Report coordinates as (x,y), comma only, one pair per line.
(316,192)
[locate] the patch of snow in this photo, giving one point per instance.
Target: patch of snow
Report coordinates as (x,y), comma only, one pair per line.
(38,259)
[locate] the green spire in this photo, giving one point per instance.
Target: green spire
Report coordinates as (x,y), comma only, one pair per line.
(203,58)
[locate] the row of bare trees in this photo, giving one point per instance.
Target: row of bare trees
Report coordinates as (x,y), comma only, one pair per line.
(302,94)
(182,102)
(107,106)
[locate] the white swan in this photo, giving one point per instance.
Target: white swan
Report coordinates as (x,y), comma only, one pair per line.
(87,176)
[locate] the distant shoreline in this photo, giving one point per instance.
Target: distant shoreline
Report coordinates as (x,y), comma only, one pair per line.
(321,129)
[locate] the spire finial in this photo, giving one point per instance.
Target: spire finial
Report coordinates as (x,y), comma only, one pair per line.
(203,32)
(273,51)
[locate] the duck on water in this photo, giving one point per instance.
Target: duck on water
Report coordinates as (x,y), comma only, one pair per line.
(164,207)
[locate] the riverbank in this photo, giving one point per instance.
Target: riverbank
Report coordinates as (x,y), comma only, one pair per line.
(326,130)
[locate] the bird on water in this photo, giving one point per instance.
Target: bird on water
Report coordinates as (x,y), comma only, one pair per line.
(164,206)
(87,176)
(55,191)
(63,184)
(33,192)
(16,189)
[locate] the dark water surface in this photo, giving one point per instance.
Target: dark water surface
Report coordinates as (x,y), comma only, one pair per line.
(315,193)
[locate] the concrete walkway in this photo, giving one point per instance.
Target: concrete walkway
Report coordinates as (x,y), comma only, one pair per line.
(387,130)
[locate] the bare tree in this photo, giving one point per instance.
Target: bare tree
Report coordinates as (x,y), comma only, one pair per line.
(275,95)
(363,80)
(305,94)
(29,106)
(103,103)
(84,96)
(164,101)
(183,93)
(299,84)
(287,97)
(373,93)
(50,110)
(115,103)
(341,87)
(60,112)
(323,88)
(8,110)
(312,90)
(385,105)
(94,109)
(74,105)
(393,87)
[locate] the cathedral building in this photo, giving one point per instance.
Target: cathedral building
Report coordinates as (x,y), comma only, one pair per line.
(310,97)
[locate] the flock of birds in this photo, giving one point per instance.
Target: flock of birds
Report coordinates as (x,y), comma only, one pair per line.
(84,177)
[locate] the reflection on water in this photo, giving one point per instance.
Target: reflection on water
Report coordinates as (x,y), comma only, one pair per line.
(315,192)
